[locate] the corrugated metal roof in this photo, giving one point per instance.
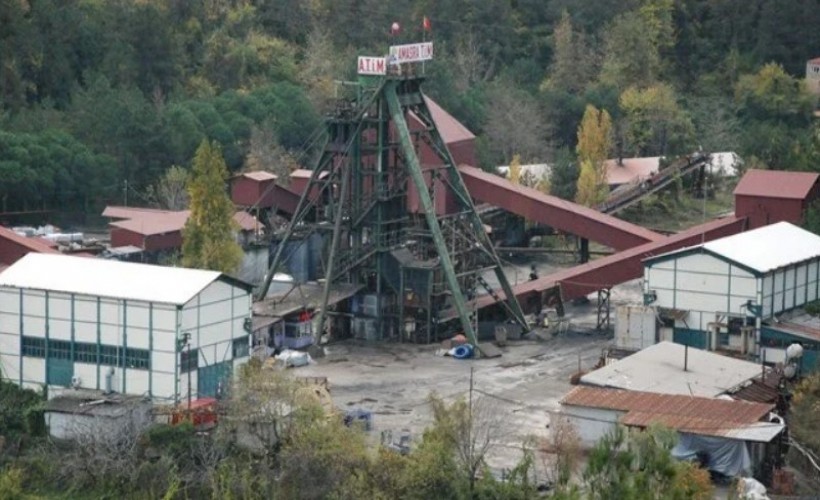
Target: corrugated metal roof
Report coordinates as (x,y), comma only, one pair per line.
(759,392)
(33,244)
(769,247)
(696,415)
(107,278)
(117,212)
(148,222)
(246,221)
(659,369)
(763,249)
(630,169)
(259,175)
(776,184)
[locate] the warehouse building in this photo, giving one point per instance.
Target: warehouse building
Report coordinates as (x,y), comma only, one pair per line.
(717,295)
(123,327)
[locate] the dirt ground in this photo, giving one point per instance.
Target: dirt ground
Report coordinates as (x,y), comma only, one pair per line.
(393,381)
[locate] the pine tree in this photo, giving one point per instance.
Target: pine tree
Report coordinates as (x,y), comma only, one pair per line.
(208,238)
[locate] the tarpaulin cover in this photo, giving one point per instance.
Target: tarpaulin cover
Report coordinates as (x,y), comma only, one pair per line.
(727,456)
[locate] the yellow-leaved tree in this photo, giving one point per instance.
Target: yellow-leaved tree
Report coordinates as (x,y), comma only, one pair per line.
(208,240)
(515,169)
(594,144)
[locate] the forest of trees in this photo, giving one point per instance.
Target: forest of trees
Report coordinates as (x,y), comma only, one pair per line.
(97,93)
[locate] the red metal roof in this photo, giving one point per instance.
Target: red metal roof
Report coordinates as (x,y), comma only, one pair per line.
(246,221)
(630,169)
(117,212)
(451,130)
(798,329)
(148,222)
(816,60)
(259,175)
(32,244)
(698,415)
(776,184)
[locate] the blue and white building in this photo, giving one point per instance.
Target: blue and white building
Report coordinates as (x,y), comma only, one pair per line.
(722,294)
(123,327)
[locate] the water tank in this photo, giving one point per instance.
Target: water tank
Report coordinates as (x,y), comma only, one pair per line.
(296,258)
(315,267)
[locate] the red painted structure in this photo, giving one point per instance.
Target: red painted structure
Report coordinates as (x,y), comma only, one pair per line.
(156,230)
(606,272)
(554,212)
(260,190)
(461,144)
(13,246)
(769,196)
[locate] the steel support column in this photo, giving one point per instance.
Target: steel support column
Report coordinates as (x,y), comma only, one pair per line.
(603,309)
(414,169)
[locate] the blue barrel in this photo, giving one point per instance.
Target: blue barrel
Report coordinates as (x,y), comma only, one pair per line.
(463,351)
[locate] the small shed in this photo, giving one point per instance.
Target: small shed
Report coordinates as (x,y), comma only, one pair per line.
(733,433)
(717,293)
(92,415)
(769,196)
(253,189)
(155,230)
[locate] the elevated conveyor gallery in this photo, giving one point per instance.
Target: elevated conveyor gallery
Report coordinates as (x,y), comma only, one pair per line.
(560,214)
(606,272)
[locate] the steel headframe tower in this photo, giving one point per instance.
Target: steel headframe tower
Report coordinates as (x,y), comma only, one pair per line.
(357,195)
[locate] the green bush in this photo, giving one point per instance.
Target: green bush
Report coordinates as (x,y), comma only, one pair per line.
(15,405)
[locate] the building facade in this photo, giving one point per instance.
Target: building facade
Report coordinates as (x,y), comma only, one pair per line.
(716,295)
(769,196)
(121,327)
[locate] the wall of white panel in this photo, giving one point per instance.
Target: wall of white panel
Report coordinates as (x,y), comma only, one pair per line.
(591,424)
(216,317)
(703,285)
(790,287)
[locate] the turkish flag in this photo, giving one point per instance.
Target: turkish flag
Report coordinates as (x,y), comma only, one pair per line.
(425,24)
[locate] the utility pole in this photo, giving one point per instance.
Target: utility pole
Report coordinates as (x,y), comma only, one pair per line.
(125,192)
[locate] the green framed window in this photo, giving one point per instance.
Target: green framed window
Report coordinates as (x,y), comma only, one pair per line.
(59,349)
(85,352)
(34,347)
(137,358)
(241,347)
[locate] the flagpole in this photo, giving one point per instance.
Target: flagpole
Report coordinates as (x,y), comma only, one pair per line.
(423,40)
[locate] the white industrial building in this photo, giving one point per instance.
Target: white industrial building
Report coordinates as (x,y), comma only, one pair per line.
(116,326)
(715,295)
